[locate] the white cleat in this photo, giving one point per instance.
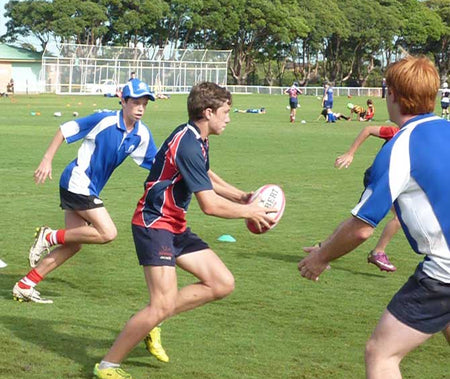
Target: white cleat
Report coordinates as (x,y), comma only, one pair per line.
(40,247)
(24,295)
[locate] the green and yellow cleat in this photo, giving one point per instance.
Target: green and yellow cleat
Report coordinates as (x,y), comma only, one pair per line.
(153,345)
(111,373)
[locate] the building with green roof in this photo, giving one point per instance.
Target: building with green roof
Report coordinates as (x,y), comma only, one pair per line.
(22,65)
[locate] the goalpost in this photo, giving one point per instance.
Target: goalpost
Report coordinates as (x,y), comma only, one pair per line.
(89,69)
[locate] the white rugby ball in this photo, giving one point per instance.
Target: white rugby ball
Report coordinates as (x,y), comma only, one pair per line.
(270,196)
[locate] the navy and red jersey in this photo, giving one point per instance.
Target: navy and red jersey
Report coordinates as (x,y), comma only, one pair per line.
(293,92)
(180,169)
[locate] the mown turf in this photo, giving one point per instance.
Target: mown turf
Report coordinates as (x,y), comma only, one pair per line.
(274,325)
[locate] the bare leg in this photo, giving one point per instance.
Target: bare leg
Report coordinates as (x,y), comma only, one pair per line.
(446,333)
(388,233)
(101,230)
(216,282)
(389,343)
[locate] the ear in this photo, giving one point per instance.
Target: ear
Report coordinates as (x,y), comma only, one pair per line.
(391,93)
(207,113)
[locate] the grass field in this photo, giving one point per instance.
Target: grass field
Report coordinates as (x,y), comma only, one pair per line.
(275,324)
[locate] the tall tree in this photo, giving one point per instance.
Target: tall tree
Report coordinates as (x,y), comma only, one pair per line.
(248,28)
(30,17)
(441,48)
(131,21)
(82,22)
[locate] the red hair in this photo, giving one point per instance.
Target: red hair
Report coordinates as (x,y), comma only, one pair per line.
(415,83)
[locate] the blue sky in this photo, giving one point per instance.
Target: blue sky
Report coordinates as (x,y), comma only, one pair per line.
(2,18)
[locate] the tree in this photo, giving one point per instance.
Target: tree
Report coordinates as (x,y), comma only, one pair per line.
(249,28)
(29,18)
(328,26)
(441,48)
(372,26)
(132,21)
(82,22)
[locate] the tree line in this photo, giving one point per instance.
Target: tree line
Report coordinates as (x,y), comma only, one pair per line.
(347,42)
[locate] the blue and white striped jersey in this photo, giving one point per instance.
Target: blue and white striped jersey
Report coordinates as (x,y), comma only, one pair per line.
(105,146)
(412,171)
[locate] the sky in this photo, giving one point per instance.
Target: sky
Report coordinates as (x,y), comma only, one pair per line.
(2,18)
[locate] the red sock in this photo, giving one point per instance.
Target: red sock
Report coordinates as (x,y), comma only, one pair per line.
(30,280)
(56,237)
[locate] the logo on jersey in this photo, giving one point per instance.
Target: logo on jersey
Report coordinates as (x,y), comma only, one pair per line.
(130,149)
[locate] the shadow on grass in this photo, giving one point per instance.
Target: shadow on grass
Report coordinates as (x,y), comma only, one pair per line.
(7,282)
(62,334)
(46,335)
(291,258)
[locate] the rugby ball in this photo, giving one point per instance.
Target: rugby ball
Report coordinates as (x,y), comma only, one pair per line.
(270,196)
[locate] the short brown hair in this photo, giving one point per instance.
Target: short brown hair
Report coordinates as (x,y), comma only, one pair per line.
(415,83)
(206,95)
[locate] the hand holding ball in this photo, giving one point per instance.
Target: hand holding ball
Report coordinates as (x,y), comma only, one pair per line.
(270,196)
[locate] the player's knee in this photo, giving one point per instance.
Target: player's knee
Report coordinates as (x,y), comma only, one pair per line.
(375,351)
(370,350)
(364,234)
(224,286)
(108,235)
(165,307)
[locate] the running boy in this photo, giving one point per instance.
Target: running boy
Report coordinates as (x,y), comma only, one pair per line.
(108,138)
(161,237)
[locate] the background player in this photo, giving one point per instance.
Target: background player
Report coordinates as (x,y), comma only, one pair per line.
(377,256)
(293,92)
(445,104)
(327,98)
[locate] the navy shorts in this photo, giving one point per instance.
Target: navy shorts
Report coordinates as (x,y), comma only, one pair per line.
(444,105)
(293,103)
(160,247)
(422,303)
(75,202)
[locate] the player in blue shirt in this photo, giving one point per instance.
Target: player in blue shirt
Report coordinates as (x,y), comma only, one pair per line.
(411,172)
(162,238)
(108,138)
(327,99)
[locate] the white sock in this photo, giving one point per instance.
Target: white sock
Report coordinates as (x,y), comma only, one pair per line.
(105,364)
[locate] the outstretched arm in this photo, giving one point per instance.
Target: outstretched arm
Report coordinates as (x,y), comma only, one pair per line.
(44,170)
(347,237)
(346,159)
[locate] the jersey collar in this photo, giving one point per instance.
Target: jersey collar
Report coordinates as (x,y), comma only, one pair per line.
(419,118)
(195,129)
(121,123)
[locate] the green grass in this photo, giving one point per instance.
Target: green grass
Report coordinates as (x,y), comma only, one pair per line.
(275,324)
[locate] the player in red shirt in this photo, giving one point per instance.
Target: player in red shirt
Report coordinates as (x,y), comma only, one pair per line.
(293,92)
(370,112)
(377,256)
